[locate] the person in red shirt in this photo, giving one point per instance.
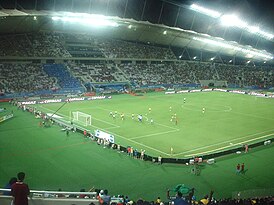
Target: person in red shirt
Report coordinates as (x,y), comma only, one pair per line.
(85,133)
(243,168)
(20,190)
(238,168)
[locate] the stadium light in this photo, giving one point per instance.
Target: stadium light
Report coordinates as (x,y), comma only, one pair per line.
(253,29)
(208,12)
(250,53)
(232,20)
(86,19)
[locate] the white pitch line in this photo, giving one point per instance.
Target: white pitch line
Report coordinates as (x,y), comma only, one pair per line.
(142,144)
(158,133)
(239,143)
(224,142)
(119,136)
(113,125)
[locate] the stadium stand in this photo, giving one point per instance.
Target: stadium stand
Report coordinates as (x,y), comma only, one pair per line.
(35,45)
(18,78)
(64,78)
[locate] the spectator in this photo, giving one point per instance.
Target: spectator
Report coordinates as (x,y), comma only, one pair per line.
(9,185)
(20,190)
(177,200)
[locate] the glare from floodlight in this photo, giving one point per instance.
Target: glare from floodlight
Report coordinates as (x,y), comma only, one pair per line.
(232,20)
(248,62)
(253,29)
(34,18)
(212,58)
(165,32)
(208,12)
(130,26)
(86,19)
(180,56)
(194,57)
(251,52)
(55,18)
(264,61)
(249,55)
(230,61)
(266,35)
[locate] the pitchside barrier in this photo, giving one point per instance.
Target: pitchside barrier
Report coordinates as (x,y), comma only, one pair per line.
(208,157)
(54,198)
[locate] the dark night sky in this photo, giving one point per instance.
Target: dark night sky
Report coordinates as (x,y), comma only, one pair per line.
(255,12)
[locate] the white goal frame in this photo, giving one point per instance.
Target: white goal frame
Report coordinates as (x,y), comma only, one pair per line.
(81,117)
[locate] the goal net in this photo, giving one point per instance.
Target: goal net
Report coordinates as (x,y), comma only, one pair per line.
(81,117)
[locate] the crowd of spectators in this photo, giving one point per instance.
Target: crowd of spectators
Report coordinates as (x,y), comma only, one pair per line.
(31,77)
(52,44)
(96,72)
(246,75)
(124,49)
(33,45)
(17,78)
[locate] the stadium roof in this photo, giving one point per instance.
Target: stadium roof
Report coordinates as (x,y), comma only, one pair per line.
(21,21)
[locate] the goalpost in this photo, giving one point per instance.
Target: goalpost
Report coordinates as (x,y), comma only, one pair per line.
(81,117)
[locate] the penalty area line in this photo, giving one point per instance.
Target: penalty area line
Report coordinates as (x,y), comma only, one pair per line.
(151,148)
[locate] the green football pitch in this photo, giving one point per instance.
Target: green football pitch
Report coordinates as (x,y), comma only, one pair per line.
(229,120)
(52,160)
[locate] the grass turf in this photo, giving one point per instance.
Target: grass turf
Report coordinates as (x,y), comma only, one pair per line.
(229,120)
(52,160)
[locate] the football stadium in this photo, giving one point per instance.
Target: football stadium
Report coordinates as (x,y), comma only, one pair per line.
(147,102)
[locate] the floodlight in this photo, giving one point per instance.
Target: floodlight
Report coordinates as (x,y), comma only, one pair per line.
(194,57)
(180,56)
(266,35)
(248,52)
(55,18)
(86,19)
(232,20)
(34,18)
(130,26)
(165,32)
(253,29)
(248,62)
(230,61)
(249,55)
(212,58)
(264,61)
(208,12)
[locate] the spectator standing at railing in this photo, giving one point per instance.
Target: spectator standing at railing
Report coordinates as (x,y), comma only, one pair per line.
(8,185)
(20,190)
